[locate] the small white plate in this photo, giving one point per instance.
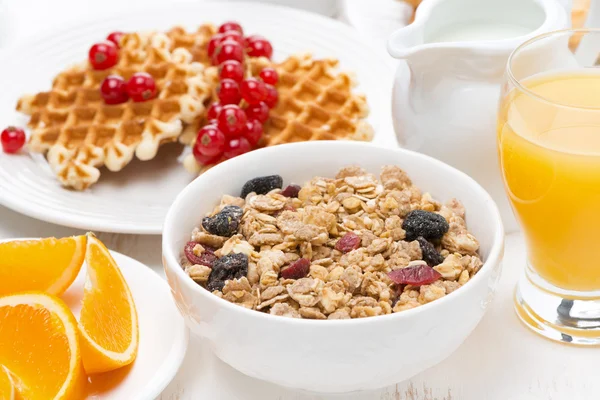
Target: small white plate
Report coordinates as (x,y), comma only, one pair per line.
(163,335)
(136,199)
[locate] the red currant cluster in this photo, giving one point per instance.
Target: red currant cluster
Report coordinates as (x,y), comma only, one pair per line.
(235,122)
(114,89)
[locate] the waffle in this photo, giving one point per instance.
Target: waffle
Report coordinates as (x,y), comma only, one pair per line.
(316,102)
(80,133)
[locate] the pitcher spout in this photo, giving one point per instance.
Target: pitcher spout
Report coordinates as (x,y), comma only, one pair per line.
(406,40)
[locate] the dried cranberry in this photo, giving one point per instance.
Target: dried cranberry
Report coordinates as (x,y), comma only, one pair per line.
(430,255)
(206,258)
(415,275)
(424,223)
(231,266)
(291,191)
(350,241)
(298,269)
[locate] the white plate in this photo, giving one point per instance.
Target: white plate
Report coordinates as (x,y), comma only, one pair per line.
(136,199)
(163,334)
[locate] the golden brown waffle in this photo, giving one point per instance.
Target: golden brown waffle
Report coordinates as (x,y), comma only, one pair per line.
(316,102)
(80,133)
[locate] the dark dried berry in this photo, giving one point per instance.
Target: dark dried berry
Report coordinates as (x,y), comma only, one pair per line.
(415,275)
(424,223)
(231,266)
(262,185)
(225,222)
(430,255)
(298,269)
(291,190)
(350,241)
(206,258)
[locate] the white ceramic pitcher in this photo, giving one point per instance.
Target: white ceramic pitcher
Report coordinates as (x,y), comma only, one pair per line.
(446,95)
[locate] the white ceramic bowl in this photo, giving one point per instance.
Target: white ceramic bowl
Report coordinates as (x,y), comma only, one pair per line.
(339,355)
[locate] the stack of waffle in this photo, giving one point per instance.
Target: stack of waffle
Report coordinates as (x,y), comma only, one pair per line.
(316,102)
(80,133)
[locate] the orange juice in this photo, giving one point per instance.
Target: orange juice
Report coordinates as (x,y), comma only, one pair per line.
(549,150)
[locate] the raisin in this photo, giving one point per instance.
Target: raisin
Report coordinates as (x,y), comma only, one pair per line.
(206,258)
(225,222)
(298,269)
(291,190)
(424,223)
(430,255)
(350,241)
(231,266)
(262,185)
(415,275)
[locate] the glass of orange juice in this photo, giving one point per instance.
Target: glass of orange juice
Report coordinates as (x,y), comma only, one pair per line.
(549,152)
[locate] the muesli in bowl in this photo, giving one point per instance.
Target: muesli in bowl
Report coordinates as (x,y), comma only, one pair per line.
(351,246)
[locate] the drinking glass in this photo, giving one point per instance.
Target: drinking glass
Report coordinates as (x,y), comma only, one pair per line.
(549,153)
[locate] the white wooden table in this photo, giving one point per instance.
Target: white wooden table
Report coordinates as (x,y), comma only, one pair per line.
(501,360)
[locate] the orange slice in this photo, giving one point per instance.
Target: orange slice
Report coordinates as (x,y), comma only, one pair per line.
(108,321)
(7,387)
(48,265)
(39,347)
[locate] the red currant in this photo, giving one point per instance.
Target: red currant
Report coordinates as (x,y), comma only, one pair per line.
(272,96)
(253,90)
(214,110)
(114,90)
(258,46)
(213,43)
(12,139)
(210,141)
(103,55)
(231,26)
(141,87)
(235,36)
(253,132)
(202,159)
(232,120)
(236,147)
(231,69)
(228,92)
(228,50)
(269,75)
(213,122)
(258,111)
(115,37)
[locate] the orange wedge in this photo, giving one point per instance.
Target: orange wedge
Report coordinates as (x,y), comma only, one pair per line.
(7,387)
(108,322)
(39,347)
(48,265)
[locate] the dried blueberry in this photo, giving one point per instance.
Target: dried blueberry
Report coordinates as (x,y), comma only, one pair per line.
(206,258)
(430,255)
(225,222)
(291,190)
(262,185)
(231,266)
(424,223)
